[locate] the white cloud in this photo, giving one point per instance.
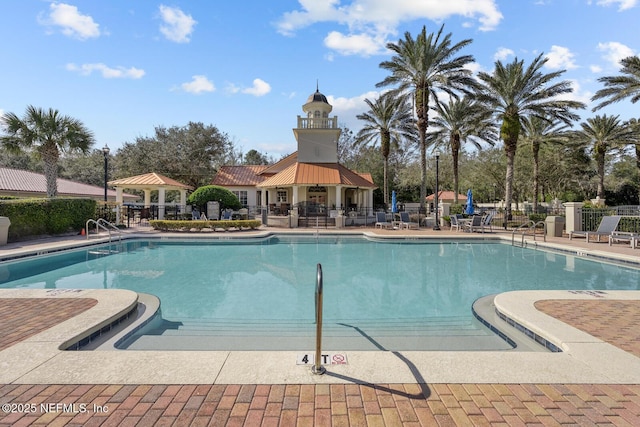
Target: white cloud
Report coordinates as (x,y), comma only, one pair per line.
(502,54)
(259,88)
(614,52)
(71,21)
(623,4)
(348,108)
(198,85)
(107,72)
(177,26)
(560,58)
(372,23)
(356,44)
(578,94)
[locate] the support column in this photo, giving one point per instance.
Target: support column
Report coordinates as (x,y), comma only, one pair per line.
(338,197)
(183,201)
(573,212)
(147,198)
(119,203)
(161,196)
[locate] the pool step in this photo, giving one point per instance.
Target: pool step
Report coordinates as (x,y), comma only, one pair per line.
(453,334)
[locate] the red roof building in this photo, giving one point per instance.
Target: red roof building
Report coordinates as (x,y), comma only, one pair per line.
(311,175)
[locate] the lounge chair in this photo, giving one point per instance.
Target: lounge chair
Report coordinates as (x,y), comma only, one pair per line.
(405,221)
(608,225)
(475,224)
(620,236)
(226,215)
(381,220)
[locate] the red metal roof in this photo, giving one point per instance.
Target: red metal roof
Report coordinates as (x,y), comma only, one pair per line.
(21,183)
(318,174)
(237,176)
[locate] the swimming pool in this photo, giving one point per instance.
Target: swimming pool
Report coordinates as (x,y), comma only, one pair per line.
(400,295)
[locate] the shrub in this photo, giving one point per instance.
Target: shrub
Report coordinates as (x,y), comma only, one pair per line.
(214,193)
(179,225)
(35,217)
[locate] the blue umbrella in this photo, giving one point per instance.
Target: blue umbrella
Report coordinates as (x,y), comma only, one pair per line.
(469,210)
(394,202)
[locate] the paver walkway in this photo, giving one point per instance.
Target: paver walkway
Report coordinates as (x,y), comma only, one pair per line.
(331,405)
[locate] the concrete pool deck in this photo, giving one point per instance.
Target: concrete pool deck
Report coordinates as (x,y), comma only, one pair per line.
(596,379)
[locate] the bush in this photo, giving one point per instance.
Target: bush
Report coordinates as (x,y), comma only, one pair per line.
(178,225)
(214,193)
(36,217)
(456,209)
(537,217)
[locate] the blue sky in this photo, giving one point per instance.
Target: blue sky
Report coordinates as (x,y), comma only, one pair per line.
(247,67)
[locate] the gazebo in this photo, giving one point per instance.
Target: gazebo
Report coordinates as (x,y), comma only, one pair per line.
(151,182)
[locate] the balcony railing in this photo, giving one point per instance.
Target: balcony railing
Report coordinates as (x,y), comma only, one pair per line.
(317,122)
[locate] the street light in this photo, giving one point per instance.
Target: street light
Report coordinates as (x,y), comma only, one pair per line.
(105,151)
(436,227)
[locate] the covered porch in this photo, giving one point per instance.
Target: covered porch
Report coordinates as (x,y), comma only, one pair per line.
(308,192)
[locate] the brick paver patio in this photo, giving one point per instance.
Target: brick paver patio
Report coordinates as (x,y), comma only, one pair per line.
(326,405)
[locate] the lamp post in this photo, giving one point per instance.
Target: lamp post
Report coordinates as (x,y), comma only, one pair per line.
(436,227)
(105,151)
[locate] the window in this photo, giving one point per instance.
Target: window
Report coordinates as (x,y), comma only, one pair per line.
(242,196)
(282,196)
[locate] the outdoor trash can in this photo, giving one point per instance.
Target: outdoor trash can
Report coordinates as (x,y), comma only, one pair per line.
(555,225)
(4,229)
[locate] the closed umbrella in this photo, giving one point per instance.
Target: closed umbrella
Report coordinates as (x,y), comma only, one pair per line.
(394,202)
(469,210)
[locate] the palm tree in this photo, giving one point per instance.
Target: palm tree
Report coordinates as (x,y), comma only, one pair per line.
(422,66)
(459,121)
(514,93)
(537,131)
(388,121)
(602,133)
(620,87)
(49,134)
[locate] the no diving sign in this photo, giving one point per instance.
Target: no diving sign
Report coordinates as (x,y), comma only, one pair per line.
(325,359)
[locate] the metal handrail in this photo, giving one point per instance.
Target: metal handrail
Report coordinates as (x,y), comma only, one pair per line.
(317,368)
(101,223)
(110,225)
(528,226)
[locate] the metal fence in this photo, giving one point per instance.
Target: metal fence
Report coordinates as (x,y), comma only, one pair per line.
(630,221)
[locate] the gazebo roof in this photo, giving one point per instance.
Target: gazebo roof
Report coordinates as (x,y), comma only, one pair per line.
(318,174)
(150,181)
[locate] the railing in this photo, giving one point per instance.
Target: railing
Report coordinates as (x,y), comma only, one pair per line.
(317,368)
(102,223)
(317,122)
(529,226)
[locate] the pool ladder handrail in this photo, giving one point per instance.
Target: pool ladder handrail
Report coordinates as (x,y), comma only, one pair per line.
(529,226)
(102,223)
(317,368)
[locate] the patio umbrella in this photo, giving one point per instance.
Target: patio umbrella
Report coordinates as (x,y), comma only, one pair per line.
(469,210)
(394,202)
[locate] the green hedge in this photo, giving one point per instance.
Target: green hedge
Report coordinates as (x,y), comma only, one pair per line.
(178,225)
(36,217)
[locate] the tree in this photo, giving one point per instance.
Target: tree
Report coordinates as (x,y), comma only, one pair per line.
(537,132)
(421,67)
(208,193)
(47,133)
(601,134)
(459,121)
(190,154)
(388,121)
(514,93)
(620,87)
(254,157)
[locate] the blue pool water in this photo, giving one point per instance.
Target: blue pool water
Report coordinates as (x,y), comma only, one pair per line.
(272,282)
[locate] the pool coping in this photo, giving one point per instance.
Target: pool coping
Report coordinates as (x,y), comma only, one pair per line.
(585,359)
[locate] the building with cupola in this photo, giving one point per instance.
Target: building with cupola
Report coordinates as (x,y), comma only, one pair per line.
(310,184)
